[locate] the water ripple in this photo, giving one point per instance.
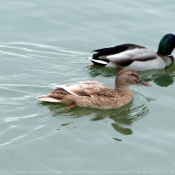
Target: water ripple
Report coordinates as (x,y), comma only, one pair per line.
(20,46)
(16,118)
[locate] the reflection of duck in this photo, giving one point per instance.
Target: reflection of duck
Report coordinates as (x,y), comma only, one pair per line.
(162,78)
(137,57)
(121,119)
(98,70)
(94,94)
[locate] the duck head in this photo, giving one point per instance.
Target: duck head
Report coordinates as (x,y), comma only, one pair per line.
(166,45)
(127,77)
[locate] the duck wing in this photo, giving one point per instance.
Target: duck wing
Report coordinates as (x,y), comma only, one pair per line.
(114,50)
(105,92)
(122,55)
(81,88)
(126,58)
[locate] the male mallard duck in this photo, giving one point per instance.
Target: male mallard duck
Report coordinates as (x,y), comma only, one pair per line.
(94,94)
(137,57)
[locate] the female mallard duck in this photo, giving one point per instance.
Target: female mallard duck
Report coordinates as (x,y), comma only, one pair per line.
(137,57)
(94,94)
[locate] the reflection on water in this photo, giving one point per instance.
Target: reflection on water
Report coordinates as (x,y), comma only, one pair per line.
(162,78)
(122,118)
(103,71)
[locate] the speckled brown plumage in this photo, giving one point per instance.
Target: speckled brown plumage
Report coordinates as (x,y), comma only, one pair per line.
(94,94)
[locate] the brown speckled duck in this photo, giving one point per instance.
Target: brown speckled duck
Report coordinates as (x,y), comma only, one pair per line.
(94,94)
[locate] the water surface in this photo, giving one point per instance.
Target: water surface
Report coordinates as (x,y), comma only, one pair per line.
(45,43)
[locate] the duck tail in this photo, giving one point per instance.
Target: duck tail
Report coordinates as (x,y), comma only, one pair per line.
(98,62)
(48,99)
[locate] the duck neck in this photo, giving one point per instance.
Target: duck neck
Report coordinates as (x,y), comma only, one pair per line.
(122,88)
(120,84)
(124,92)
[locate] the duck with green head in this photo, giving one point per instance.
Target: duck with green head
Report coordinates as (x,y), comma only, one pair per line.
(135,56)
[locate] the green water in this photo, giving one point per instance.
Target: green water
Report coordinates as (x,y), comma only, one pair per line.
(46,43)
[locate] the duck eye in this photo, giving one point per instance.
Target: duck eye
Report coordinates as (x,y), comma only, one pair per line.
(136,77)
(133,75)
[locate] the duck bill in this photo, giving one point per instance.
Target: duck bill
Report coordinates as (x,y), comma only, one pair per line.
(143,83)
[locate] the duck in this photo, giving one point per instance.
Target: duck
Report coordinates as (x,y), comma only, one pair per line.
(136,57)
(94,94)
